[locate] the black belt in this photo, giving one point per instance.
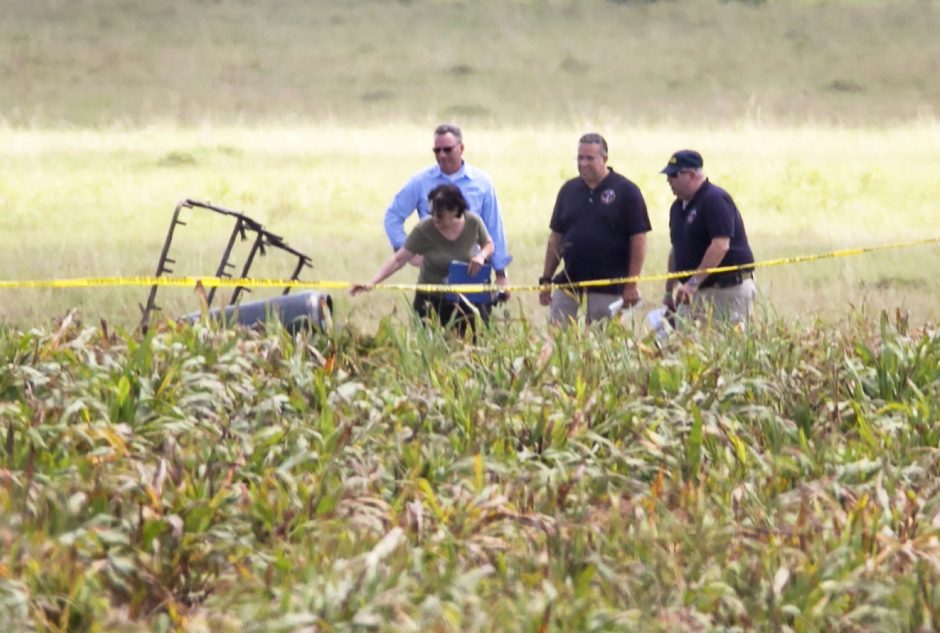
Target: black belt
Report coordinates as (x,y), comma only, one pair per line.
(727,280)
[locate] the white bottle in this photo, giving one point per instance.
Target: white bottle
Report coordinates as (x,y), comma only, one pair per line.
(615,307)
(656,320)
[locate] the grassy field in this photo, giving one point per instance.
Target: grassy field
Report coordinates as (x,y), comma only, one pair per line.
(98,203)
(817,116)
(504,62)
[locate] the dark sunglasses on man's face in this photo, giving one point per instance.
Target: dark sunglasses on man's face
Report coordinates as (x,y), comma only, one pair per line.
(446,150)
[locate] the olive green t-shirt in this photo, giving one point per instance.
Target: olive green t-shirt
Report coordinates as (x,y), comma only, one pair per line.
(439,252)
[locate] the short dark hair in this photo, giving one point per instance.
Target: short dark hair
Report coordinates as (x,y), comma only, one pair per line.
(448,197)
(449,128)
(594,138)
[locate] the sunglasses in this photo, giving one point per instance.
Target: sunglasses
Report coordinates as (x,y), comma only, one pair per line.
(676,175)
(446,150)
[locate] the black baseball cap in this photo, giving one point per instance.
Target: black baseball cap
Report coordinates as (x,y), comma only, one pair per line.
(683,159)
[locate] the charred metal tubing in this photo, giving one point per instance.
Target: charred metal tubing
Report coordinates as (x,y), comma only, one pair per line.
(254,225)
(242,222)
(257,246)
(161,265)
(302,261)
(237,230)
(278,242)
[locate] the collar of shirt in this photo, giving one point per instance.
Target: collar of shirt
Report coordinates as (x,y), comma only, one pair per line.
(463,172)
(590,192)
(698,194)
(610,172)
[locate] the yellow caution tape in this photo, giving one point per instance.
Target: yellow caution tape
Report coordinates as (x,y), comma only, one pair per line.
(208,282)
(217,282)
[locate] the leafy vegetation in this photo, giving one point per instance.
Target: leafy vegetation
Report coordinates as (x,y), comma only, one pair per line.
(204,478)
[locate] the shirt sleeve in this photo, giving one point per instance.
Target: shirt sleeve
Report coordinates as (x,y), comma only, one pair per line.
(555,224)
(489,212)
(403,205)
(483,236)
(674,222)
(719,216)
(639,219)
(417,241)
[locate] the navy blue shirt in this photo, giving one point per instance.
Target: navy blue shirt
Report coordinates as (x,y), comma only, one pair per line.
(710,213)
(596,226)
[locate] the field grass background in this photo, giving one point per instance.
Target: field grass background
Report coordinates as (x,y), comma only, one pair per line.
(98,203)
(506,62)
(818,117)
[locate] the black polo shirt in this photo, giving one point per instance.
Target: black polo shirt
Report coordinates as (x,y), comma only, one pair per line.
(596,226)
(710,213)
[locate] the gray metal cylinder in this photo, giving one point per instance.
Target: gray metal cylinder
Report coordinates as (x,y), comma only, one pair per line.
(304,310)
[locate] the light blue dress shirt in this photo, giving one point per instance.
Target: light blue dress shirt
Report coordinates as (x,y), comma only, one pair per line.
(476,187)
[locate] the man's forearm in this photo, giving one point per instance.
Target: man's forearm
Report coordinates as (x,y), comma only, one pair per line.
(637,254)
(494,224)
(671,267)
(501,256)
(712,258)
(395,227)
(401,207)
(552,255)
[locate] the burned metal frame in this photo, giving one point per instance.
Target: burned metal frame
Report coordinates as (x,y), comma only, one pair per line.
(241,229)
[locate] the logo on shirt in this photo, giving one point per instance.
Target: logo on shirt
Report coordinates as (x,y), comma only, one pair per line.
(690,218)
(608,196)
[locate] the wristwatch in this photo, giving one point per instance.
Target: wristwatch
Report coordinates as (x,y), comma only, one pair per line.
(543,281)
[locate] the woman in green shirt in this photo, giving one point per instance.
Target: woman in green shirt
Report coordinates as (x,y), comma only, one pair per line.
(449,234)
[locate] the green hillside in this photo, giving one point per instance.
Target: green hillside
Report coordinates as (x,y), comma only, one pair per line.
(97,62)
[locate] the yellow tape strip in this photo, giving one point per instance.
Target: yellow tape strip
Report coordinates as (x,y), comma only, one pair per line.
(216,282)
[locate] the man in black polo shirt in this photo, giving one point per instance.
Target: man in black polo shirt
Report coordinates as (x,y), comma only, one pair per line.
(706,231)
(599,229)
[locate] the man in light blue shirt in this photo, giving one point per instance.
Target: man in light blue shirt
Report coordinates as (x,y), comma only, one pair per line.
(475,185)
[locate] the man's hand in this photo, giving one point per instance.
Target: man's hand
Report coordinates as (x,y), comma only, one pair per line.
(687,290)
(684,294)
(631,295)
(669,300)
(545,296)
(416,261)
(502,281)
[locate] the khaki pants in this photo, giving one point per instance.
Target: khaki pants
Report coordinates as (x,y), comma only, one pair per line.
(565,304)
(733,304)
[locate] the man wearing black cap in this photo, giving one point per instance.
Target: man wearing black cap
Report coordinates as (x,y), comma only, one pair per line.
(599,229)
(706,231)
